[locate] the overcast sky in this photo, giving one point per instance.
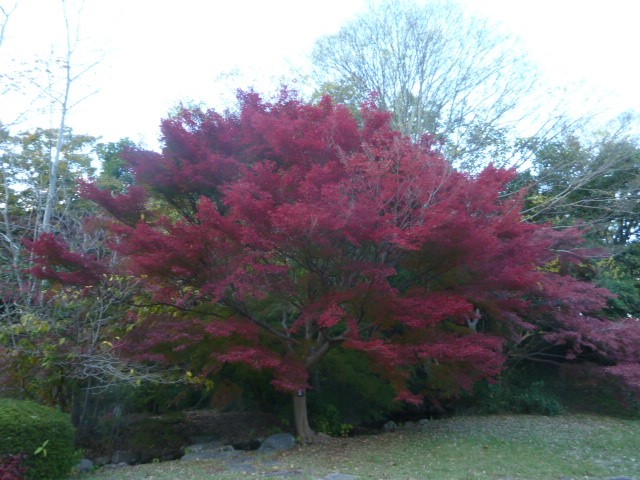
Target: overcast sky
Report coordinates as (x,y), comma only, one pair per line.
(156,53)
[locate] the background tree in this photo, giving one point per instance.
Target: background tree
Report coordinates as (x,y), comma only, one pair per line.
(56,343)
(115,174)
(591,181)
(620,273)
(270,236)
(25,173)
(64,103)
(440,72)
(39,171)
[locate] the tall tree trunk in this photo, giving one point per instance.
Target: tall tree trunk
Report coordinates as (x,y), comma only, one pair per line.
(55,162)
(13,244)
(53,178)
(303,430)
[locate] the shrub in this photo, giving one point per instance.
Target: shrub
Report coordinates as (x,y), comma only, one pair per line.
(517,397)
(535,399)
(584,388)
(43,434)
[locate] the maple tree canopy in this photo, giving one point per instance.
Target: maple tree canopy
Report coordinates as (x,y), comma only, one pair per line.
(276,233)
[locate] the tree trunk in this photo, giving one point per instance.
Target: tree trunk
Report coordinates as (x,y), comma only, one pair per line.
(305,434)
(55,162)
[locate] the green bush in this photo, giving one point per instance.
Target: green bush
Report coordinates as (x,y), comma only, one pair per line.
(345,384)
(42,433)
(331,423)
(535,399)
(585,388)
(516,397)
(140,432)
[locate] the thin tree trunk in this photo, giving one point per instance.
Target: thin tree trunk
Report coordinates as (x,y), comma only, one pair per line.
(64,109)
(303,430)
(55,164)
(12,245)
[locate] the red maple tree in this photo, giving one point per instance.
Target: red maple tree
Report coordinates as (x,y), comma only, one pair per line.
(287,229)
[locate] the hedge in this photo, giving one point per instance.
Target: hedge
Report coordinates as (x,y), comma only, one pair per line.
(45,435)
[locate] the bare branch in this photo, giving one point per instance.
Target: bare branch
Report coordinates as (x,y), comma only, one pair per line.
(65,105)
(5,14)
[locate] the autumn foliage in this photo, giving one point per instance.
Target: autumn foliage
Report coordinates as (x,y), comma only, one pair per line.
(12,467)
(276,233)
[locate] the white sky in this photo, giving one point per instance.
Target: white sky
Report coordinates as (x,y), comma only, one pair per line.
(159,52)
(591,41)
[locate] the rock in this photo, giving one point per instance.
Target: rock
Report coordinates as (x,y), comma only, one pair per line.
(424,422)
(122,456)
(390,426)
(214,446)
(322,437)
(207,451)
(279,441)
(248,445)
(296,473)
(339,476)
(85,465)
(100,461)
(169,454)
(151,454)
(147,455)
(242,466)
(203,439)
(212,455)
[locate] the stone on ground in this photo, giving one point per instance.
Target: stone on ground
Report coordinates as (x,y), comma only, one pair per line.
(279,441)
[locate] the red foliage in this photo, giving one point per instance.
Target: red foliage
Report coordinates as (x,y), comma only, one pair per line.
(309,231)
(618,343)
(127,207)
(12,467)
(56,262)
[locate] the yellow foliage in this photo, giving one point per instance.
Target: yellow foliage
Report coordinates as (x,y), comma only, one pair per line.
(553,266)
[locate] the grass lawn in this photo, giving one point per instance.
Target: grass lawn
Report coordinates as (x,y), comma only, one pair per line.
(493,447)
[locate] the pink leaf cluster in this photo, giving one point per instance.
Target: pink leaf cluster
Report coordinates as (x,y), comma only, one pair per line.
(54,261)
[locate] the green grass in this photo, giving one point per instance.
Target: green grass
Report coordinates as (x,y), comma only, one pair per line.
(493,447)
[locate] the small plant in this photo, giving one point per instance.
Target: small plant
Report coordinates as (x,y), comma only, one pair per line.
(345,429)
(331,423)
(42,449)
